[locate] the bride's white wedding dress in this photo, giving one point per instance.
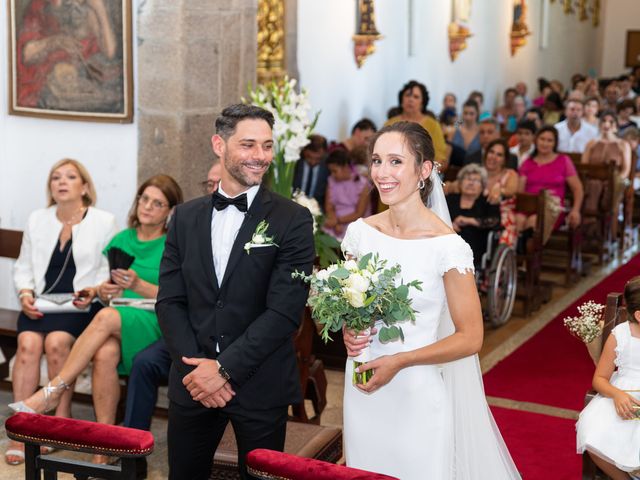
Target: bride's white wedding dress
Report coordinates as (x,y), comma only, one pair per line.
(417,427)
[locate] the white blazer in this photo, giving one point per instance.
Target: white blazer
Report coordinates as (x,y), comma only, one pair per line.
(90,236)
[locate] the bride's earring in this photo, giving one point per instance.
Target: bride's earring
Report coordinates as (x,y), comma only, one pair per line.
(421,184)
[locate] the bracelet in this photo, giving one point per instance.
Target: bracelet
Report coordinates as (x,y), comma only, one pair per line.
(25,294)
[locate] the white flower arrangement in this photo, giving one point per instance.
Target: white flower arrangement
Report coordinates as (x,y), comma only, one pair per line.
(357,293)
(291,129)
(589,324)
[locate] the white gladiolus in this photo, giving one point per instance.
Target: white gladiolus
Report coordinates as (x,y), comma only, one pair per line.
(322,275)
(358,282)
(354,297)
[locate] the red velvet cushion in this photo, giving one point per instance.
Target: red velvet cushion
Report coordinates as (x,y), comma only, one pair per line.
(71,434)
(270,464)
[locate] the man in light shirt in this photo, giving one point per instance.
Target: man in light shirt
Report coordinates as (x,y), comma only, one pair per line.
(573,133)
(526,132)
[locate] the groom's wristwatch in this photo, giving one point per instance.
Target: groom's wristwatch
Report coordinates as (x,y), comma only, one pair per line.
(223,373)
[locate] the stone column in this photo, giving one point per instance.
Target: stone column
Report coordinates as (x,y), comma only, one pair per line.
(194,58)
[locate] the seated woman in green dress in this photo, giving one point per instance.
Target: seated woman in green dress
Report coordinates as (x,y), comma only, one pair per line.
(128,329)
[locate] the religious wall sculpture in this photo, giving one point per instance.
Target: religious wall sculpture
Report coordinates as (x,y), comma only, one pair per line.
(458,29)
(366,32)
(519,28)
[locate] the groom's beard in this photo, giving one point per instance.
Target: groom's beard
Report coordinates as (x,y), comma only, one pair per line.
(235,169)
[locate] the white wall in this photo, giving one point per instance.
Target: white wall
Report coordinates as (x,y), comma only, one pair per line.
(345,94)
(29,146)
(618,16)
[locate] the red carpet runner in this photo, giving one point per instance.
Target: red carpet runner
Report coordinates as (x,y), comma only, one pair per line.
(552,368)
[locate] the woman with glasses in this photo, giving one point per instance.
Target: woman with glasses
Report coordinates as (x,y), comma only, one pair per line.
(122,329)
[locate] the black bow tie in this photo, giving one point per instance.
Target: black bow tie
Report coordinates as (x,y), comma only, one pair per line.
(220,202)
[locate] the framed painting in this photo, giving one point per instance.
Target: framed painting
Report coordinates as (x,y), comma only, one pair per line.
(632,57)
(71,59)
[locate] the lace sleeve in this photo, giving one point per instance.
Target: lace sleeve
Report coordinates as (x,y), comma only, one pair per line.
(621,334)
(456,253)
(351,240)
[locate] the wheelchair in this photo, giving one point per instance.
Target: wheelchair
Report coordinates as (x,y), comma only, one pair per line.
(497,279)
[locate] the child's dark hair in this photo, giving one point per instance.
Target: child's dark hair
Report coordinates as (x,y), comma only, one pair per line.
(338,157)
(632,297)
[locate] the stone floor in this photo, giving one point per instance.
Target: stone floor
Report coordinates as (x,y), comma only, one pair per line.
(498,343)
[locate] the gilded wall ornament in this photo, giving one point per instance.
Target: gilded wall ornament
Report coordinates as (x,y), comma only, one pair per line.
(366,32)
(519,28)
(271,40)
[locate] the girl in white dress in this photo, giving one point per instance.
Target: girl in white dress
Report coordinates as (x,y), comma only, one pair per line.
(608,428)
(423,415)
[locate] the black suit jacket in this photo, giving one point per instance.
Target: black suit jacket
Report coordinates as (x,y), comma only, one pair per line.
(255,311)
(321,182)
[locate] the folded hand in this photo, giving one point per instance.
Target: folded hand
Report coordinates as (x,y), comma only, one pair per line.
(204,381)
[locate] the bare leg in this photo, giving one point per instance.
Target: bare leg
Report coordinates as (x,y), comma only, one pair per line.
(57,346)
(106,385)
(26,374)
(611,470)
(103,326)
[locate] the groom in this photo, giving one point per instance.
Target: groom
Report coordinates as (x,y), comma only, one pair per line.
(227,305)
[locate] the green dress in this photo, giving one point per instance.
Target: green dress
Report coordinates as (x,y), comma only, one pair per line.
(139,327)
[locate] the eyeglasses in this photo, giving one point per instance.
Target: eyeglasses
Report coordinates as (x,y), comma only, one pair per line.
(472,180)
(209,186)
(155,204)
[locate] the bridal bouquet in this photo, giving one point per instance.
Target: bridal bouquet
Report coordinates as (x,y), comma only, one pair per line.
(588,326)
(356,294)
(326,246)
(291,129)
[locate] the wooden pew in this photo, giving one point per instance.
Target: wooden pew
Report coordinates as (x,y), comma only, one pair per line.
(614,313)
(10,242)
(529,288)
(628,203)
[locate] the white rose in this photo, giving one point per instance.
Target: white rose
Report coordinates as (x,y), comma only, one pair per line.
(358,282)
(322,275)
(354,297)
(351,265)
(331,268)
(258,239)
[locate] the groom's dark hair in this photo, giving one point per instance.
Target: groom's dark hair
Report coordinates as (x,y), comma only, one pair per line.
(233,114)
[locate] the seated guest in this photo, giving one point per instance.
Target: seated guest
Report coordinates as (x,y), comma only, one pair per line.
(591,109)
(524,148)
(347,197)
(361,132)
(544,87)
(632,137)
(521,88)
(210,185)
(124,329)
(478,97)
(488,131)
(413,98)
(448,119)
(611,96)
(552,109)
(626,109)
(505,114)
(502,186)
(472,215)
(609,148)
(311,174)
(449,102)
(548,170)
(466,136)
(573,133)
(61,253)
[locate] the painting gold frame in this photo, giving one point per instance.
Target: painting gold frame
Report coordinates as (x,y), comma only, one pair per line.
(71,60)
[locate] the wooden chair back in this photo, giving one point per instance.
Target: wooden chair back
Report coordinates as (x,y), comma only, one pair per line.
(10,242)
(575,157)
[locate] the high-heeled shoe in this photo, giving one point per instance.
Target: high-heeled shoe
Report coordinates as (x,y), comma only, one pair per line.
(47,391)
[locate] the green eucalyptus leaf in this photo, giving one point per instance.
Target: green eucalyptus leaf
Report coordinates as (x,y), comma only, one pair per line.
(341,273)
(383,336)
(364,261)
(402,291)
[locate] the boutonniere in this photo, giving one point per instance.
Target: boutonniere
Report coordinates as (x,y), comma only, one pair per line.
(260,238)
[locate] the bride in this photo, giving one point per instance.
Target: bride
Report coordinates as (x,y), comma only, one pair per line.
(423,414)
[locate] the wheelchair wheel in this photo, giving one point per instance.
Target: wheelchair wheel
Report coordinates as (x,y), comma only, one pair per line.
(501,289)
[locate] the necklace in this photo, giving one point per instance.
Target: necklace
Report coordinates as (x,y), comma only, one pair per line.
(73,218)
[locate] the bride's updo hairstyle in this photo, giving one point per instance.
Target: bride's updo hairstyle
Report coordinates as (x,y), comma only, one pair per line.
(419,142)
(632,297)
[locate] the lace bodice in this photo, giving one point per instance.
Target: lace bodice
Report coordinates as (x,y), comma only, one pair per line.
(627,351)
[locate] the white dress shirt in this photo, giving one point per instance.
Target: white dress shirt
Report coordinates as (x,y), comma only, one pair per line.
(575,142)
(225,225)
(522,156)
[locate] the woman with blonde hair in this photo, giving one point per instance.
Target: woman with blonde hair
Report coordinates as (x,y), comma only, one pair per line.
(119,332)
(61,253)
